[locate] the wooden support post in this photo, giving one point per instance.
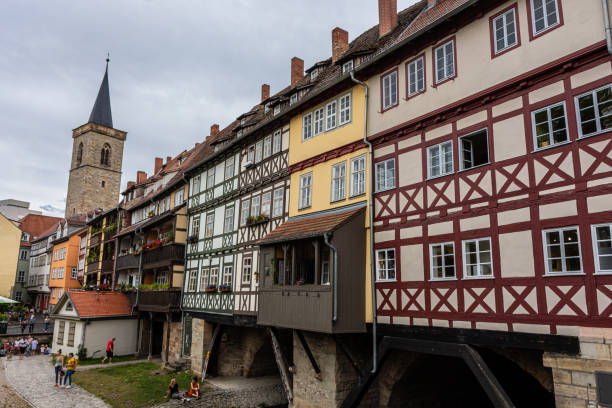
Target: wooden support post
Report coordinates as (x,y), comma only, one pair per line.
(283,368)
(150,356)
(313,362)
(168,319)
(317,260)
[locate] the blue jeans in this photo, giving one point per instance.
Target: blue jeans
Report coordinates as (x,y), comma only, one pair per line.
(68,376)
(57,371)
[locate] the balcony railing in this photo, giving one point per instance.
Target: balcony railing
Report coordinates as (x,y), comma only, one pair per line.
(128,261)
(159,300)
(92,267)
(107,265)
(94,240)
(163,256)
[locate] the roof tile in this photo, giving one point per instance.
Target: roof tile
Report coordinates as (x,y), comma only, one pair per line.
(100,304)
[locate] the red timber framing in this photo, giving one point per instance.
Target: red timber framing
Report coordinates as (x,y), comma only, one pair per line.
(511,200)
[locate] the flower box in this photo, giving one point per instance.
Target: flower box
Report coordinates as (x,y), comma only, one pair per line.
(225,288)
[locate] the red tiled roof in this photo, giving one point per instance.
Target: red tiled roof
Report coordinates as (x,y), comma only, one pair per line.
(431,15)
(36,225)
(100,304)
(308,227)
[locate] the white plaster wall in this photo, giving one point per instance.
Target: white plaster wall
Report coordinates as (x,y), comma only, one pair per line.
(99,332)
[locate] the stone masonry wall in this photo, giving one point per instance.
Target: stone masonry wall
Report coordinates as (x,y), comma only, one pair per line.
(174,350)
(574,376)
(201,334)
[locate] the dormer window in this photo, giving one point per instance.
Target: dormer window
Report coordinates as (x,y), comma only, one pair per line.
(347,66)
(293,99)
(239,134)
(267,108)
(242,121)
(69,307)
(276,109)
(314,74)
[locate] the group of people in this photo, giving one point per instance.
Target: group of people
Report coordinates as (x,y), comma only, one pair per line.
(25,347)
(29,321)
(174,392)
(71,363)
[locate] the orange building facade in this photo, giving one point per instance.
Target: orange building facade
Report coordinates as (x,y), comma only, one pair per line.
(64,265)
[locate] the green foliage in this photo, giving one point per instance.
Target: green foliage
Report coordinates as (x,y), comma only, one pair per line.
(82,352)
(155,286)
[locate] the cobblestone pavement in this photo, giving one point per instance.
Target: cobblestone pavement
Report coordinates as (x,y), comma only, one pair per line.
(33,379)
(238,392)
(8,397)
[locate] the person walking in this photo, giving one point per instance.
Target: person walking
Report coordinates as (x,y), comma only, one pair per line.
(46,323)
(22,348)
(22,321)
(110,348)
(32,320)
(59,363)
(70,368)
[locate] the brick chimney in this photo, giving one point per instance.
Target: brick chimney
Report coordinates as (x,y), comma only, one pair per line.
(159,162)
(339,43)
(168,158)
(141,176)
(130,184)
(265,92)
(214,129)
(387,16)
(297,70)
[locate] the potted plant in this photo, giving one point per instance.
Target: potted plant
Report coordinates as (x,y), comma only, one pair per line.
(211,288)
(224,287)
(261,218)
(192,239)
(151,213)
(251,220)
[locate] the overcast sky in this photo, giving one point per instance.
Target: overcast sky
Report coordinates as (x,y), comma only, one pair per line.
(177,66)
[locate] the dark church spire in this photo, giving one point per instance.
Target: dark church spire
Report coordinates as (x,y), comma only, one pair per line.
(101,112)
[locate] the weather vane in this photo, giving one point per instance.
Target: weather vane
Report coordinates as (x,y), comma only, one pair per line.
(107,56)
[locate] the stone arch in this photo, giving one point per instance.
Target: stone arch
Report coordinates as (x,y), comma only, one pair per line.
(79,158)
(105,155)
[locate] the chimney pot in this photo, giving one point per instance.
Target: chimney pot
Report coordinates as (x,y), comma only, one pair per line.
(214,129)
(339,43)
(265,92)
(141,176)
(297,70)
(387,16)
(159,162)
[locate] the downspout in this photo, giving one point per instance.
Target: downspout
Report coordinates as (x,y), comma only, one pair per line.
(335,288)
(184,269)
(606,16)
(139,234)
(370,217)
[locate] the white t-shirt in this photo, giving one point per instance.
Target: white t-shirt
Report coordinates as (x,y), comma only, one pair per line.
(34,344)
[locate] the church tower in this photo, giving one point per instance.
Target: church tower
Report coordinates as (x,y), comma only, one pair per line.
(97,155)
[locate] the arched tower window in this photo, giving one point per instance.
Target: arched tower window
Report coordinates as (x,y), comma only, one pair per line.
(105,155)
(80,154)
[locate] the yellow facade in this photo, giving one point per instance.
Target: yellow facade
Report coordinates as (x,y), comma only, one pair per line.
(10,237)
(321,196)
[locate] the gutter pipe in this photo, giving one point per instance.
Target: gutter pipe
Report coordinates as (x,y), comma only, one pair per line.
(184,267)
(606,16)
(370,217)
(335,289)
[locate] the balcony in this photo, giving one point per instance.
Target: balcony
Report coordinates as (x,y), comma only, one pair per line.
(94,240)
(107,265)
(128,261)
(165,300)
(92,267)
(166,255)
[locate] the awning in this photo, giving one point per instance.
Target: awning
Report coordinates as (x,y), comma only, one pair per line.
(7,300)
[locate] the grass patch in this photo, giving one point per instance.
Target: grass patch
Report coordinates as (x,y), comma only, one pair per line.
(91,361)
(132,385)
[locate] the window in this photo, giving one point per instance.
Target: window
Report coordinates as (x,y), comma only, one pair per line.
(602,242)
(307,126)
(25,236)
(80,154)
(276,143)
(214,276)
(195,226)
(195,185)
(267,108)
(55,254)
(204,279)
(345,109)
(389,90)
(477,258)
(210,178)
(325,273)
(385,264)
(338,182)
(544,15)
(258,150)
(277,204)
(179,196)
(54,273)
(53,293)
(549,126)
(266,198)
(595,111)
(73,273)
(474,149)
(442,260)
(440,159)
(71,330)
(445,61)
(277,109)
(102,183)
(62,254)
(331,115)
(358,175)
(416,76)
(385,175)
(59,292)
(18,296)
(228,226)
(105,155)
(227,275)
(314,74)
(347,66)
(251,155)
(60,331)
(60,273)
(504,31)
(229,168)
(193,281)
(21,276)
(209,228)
(267,149)
(247,268)
(562,250)
(242,121)
(319,118)
(293,99)
(255,206)
(23,254)
(244,214)
(305,190)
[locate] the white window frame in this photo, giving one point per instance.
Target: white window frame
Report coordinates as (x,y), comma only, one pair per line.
(228,220)
(504,19)
(344,109)
(347,66)
(229,168)
(562,246)
(338,181)
(390,90)
(258,151)
(445,57)
(293,99)
(245,208)
(247,269)
(277,109)
(21,276)
(277,202)
(209,226)
(179,197)
(549,121)
(437,149)
(267,147)
(443,262)
(597,118)
(214,276)
(462,148)
(331,115)
(547,26)
(228,272)
(307,126)
(192,282)
(479,263)
(386,269)
(195,185)
(599,270)
(266,201)
(204,275)
(412,76)
(255,206)
(305,199)
(195,226)
(389,183)
(277,142)
(358,176)
(318,123)
(73,273)
(314,74)
(54,273)
(210,178)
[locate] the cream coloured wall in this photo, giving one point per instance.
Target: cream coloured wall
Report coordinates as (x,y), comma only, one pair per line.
(10,237)
(477,71)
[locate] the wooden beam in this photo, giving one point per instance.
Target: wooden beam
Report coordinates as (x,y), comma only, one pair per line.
(283,367)
(313,362)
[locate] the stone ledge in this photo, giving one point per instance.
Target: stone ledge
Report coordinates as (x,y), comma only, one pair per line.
(576,363)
